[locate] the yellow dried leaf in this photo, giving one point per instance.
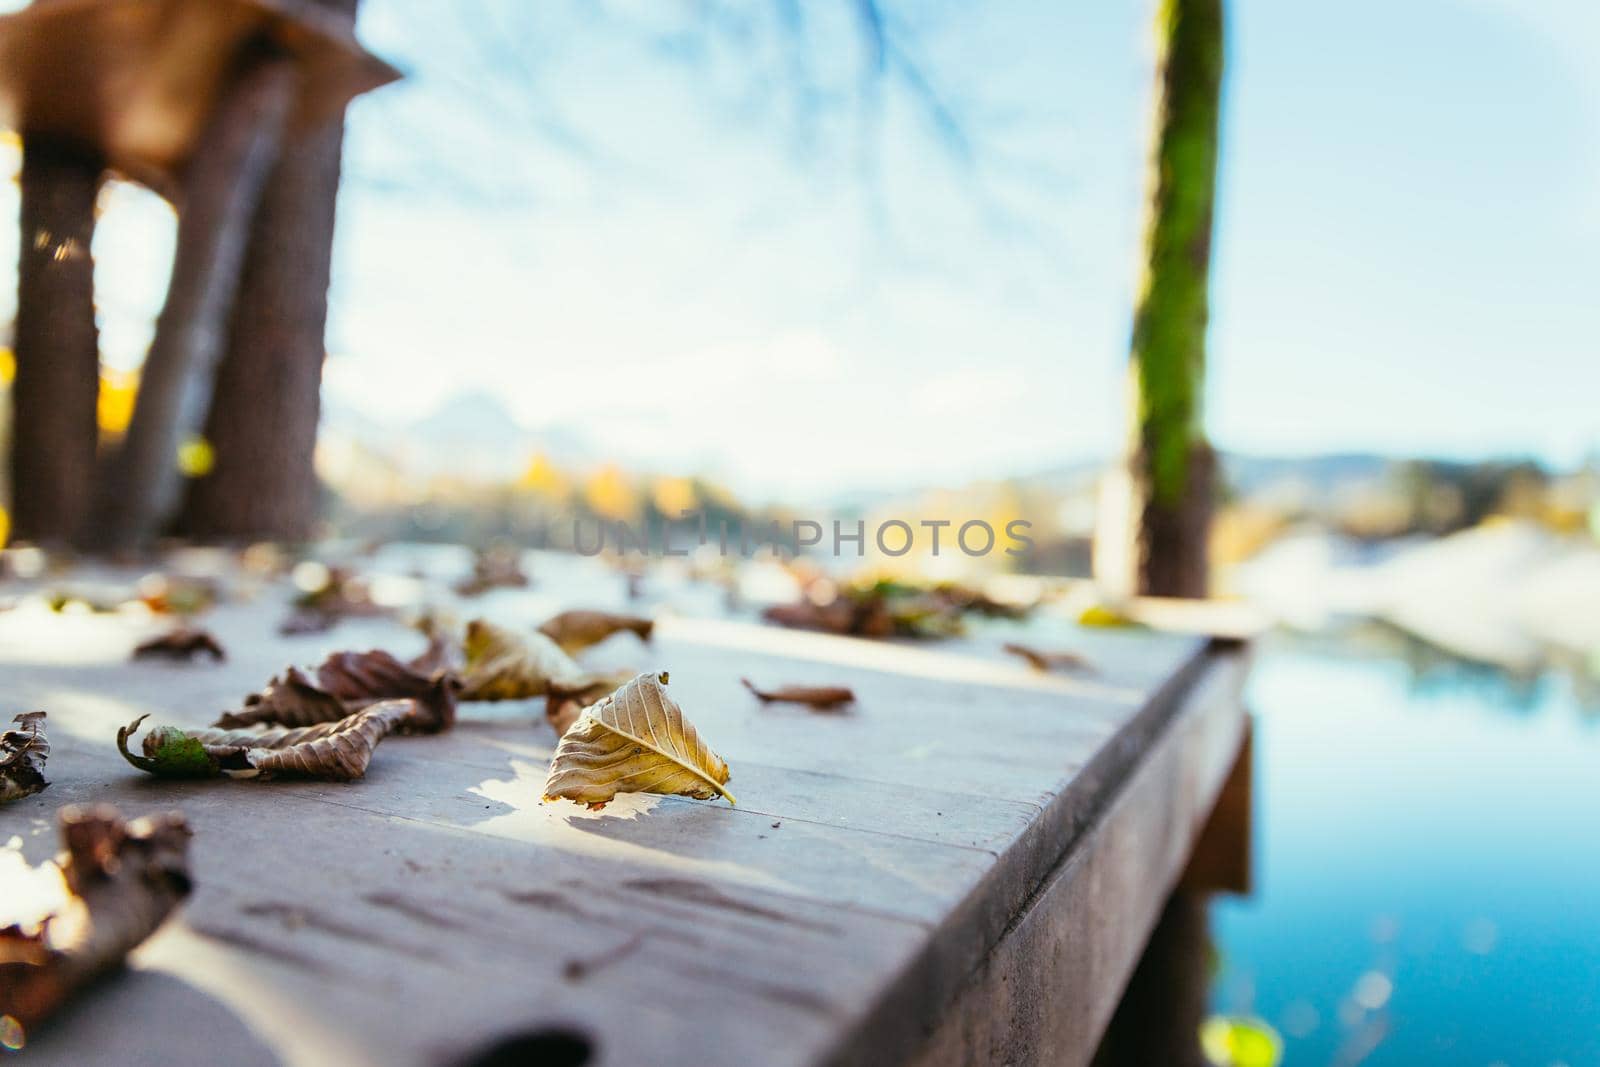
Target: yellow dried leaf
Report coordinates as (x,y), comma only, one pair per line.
(635,741)
(577,630)
(502,665)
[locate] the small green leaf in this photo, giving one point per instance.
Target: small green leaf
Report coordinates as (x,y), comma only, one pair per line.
(1240,1041)
(177,755)
(1103,615)
(170,753)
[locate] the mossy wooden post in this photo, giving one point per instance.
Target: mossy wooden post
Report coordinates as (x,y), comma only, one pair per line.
(1173,466)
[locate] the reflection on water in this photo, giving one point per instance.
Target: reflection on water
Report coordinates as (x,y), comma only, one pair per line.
(1428,861)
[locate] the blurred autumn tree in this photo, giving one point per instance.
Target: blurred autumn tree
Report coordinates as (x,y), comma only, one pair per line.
(264,411)
(260,395)
(264,408)
(266,401)
(194,100)
(57,344)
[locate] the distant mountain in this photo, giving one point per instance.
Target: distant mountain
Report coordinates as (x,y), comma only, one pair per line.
(472,436)
(475,418)
(475,437)
(1249,475)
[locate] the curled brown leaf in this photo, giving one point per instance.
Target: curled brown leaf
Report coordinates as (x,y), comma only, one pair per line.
(1049,659)
(836,617)
(124,880)
(336,751)
(301,622)
(289,699)
(183,644)
(820,697)
(341,594)
(890,609)
(347,682)
(23,752)
(577,630)
(359,678)
(963,598)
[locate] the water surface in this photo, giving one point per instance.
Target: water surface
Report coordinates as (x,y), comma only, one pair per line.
(1427,865)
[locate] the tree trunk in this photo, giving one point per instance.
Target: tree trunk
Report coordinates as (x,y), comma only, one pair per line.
(229,167)
(54,426)
(267,404)
(1173,466)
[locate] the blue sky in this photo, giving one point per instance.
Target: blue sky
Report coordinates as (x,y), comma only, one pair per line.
(664,261)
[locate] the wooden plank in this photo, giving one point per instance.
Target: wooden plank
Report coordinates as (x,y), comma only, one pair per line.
(877,860)
(1223,858)
(1047,991)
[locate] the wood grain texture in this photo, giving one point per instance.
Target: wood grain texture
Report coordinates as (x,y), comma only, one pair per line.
(1047,991)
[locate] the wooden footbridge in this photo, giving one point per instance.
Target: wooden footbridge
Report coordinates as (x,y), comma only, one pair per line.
(963,868)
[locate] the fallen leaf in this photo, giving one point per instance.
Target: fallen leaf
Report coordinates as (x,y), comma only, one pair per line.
(636,740)
(1104,615)
(124,879)
(303,621)
(359,678)
(442,654)
(340,594)
(561,714)
(563,704)
(1240,1041)
(337,751)
(346,682)
(1049,659)
(576,630)
(835,617)
(820,697)
(495,567)
(965,599)
(184,643)
(68,602)
(167,594)
(23,752)
(502,665)
(289,699)
(881,609)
